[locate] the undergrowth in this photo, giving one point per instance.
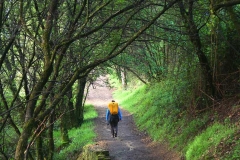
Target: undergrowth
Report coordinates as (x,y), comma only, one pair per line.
(158,110)
(79,137)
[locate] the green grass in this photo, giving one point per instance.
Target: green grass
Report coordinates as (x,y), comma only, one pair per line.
(235,153)
(79,136)
(207,141)
(133,99)
(157,110)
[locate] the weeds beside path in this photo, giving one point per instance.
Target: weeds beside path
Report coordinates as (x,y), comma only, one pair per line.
(130,143)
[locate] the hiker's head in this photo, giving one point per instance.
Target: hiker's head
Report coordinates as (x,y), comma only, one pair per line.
(113,101)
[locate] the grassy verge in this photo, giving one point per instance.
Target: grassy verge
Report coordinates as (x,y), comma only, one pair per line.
(157,111)
(79,136)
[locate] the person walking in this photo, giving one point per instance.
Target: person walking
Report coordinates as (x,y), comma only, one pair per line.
(113,116)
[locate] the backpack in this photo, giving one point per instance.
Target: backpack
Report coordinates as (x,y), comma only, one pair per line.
(113,108)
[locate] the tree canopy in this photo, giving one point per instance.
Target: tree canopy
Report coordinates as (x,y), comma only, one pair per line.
(50,47)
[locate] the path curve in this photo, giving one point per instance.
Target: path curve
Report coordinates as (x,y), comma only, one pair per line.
(130,144)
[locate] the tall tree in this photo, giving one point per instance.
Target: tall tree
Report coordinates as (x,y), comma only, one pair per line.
(94,30)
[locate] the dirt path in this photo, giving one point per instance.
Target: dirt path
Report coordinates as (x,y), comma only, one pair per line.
(130,143)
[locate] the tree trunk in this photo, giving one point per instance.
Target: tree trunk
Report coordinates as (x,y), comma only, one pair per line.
(64,121)
(79,102)
(194,37)
(23,140)
(123,78)
(50,137)
(64,130)
(39,148)
(71,108)
(118,72)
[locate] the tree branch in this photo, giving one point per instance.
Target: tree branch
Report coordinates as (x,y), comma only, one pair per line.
(225,4)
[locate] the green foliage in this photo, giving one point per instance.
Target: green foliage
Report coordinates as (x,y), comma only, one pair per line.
(8,140)
(113,80)
(79,136)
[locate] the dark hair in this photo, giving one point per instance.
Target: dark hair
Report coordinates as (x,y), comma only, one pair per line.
(113,101)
